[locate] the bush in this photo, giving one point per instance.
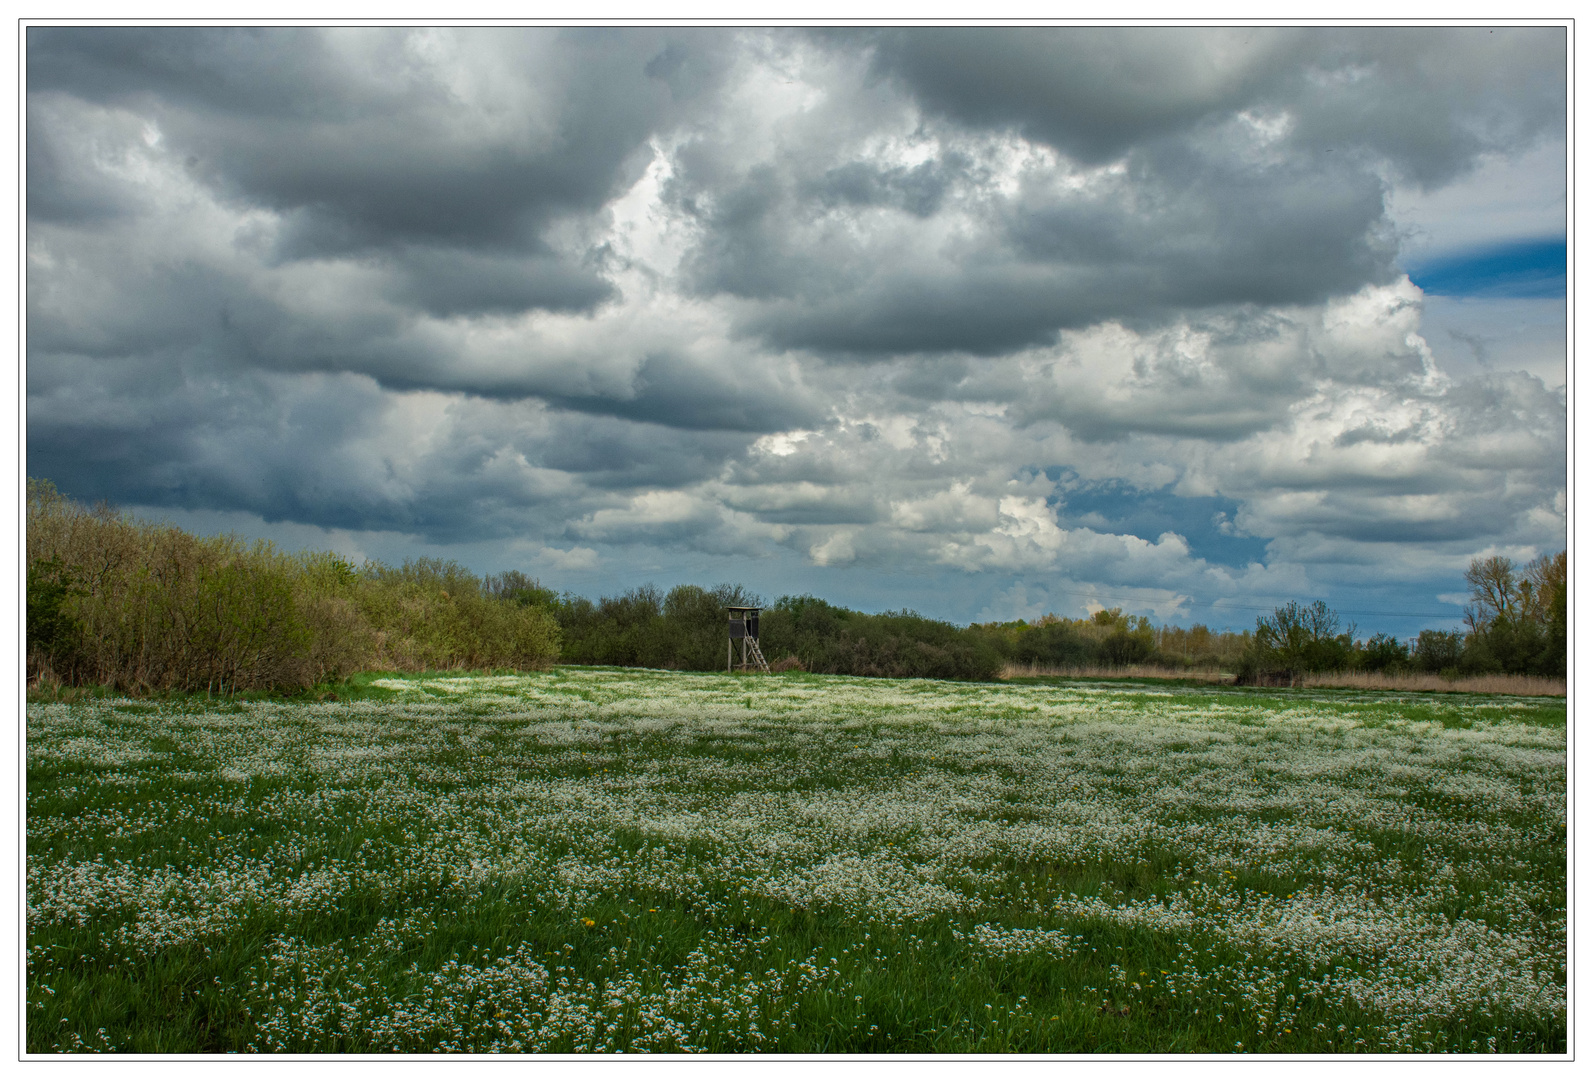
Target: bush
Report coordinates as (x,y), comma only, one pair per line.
(1436,650)
(1383,652)
(696,620)
(53,633)
(1053,644)
(901,644)
(683,630)
(139,606)
(430,614)
(517,588)
(1122,648)
(625,630)
(1111,639)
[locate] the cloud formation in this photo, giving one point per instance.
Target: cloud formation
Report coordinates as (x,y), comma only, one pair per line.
(1042,314)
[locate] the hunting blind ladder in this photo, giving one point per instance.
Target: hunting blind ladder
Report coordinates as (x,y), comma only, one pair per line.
(744,625)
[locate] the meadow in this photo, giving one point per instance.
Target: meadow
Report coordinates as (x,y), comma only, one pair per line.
(604,860)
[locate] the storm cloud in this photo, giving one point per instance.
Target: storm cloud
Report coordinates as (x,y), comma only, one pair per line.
(1047,314)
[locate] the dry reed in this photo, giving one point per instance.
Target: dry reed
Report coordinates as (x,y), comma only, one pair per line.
(1129,671)
(1519,685)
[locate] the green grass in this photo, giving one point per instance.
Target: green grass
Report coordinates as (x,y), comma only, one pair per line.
(610,859)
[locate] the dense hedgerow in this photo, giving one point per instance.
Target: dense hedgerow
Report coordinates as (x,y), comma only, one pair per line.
(902,644)
(684,630)
(1111,639)
(116,601)
(645,627)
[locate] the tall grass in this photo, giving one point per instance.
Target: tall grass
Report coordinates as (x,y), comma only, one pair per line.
(141,606)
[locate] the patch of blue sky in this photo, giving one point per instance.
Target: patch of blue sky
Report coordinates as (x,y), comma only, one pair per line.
(1519,269)
(1205,522)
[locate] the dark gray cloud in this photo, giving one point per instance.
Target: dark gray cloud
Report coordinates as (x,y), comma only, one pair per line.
(463,282)
(1206,230)
(1092,92)
(1429,100)
(673,390)
(336,450)
(1252,168)
(248,72)
(367,141)
(918,190)
(611,453)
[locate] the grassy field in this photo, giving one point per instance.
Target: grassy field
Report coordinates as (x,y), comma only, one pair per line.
(602,859)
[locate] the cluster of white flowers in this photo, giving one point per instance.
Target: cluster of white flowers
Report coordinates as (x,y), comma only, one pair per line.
(1007,941)
(328,996)
(1393,954)
(893,801)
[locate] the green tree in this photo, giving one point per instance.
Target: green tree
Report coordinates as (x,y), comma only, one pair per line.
(52,631)
(1299,638)
(1383,652)
(1516,620)
(1053,643)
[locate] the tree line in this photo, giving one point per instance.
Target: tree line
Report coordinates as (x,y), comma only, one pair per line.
(116,601)
(1515,625)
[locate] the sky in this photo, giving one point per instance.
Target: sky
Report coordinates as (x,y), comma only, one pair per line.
(979,322)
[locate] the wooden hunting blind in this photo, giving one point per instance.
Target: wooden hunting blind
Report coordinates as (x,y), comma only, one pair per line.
(744,627)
